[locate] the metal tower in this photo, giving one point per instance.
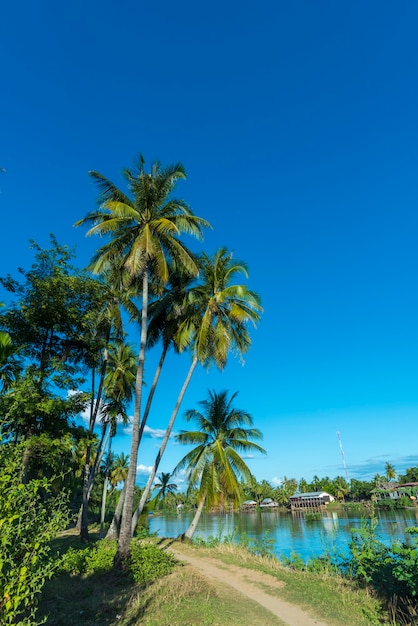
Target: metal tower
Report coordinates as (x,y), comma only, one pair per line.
(343,457)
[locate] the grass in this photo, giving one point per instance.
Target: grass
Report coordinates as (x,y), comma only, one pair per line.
(184,598)
(328,596)
(181,599)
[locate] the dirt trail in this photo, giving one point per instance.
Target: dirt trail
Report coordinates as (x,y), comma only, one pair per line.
(248,582)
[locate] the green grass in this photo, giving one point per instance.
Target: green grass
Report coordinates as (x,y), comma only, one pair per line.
(179,599)
(330,597)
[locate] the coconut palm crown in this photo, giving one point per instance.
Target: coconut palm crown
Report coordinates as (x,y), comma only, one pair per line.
(215,464)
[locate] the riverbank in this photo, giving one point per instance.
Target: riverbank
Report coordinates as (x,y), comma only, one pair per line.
(218,586)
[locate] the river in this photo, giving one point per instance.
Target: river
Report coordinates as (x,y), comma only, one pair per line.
(291,533)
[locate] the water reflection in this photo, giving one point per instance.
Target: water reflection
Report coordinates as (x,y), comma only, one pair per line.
(291,533)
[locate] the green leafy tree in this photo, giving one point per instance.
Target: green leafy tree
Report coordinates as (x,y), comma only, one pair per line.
(360,489)
(144,232)
(410,476)
(9,363)
(215,464)
(48,321)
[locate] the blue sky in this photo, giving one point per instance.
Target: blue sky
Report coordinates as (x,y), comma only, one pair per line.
(297,124)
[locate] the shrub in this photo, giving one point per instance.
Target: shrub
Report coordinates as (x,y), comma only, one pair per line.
(29,518)
(91,559)
(148,562)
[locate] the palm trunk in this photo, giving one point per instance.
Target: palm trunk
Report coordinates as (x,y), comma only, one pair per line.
(104,494)
(152,391)
(91,475)
(87,480)
(125,534)
(113,530)
(192,528)
(154,470)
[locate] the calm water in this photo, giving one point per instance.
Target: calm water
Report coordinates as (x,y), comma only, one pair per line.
(291,533)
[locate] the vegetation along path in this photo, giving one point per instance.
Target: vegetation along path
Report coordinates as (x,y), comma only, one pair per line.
(257,586)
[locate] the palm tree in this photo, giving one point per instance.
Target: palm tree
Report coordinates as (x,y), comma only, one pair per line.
(390,471)
(116,391)
(164,486)
(215,464)
(341,488)
(216,312)
(119,470)
(144,232)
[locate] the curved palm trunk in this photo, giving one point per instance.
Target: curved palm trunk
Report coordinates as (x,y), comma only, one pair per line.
(104,494)
(152,391)
(192,528)
(125,534)
(161,451)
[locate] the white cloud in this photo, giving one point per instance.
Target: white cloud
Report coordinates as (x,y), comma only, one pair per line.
(152,433)
(276,481)
(144,469)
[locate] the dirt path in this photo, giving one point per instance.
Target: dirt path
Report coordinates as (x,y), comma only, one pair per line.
(250,583)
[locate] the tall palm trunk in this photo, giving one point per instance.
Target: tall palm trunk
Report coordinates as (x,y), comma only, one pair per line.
(192,528)
(146,492)
(152,391)
(104,494)
(125,534)
(87,478)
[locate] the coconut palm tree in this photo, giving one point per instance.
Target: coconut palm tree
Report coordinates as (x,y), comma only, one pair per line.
(164,486)
(390,471)
(216,312)
(215,464)
(340,487)
(144,230)
(115,392)
(119,470)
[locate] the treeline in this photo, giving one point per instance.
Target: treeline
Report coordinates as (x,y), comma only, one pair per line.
(64,348)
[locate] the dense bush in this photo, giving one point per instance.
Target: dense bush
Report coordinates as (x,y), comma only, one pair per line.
(147,562)
(29,518)
(390,570)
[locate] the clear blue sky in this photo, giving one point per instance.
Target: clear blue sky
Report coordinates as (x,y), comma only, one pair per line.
(297,123)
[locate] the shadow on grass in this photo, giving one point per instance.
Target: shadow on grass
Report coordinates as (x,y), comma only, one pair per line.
(89,600)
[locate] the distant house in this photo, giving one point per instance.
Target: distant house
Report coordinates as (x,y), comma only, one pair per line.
(394,491)
(248,505)
(268,503)
(311,500)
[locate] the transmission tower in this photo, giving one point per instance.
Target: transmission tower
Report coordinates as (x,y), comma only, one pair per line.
(343,456)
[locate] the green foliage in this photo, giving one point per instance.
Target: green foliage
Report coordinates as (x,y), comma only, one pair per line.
(390,570)
(29,519)
(147,562)
(89,559)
